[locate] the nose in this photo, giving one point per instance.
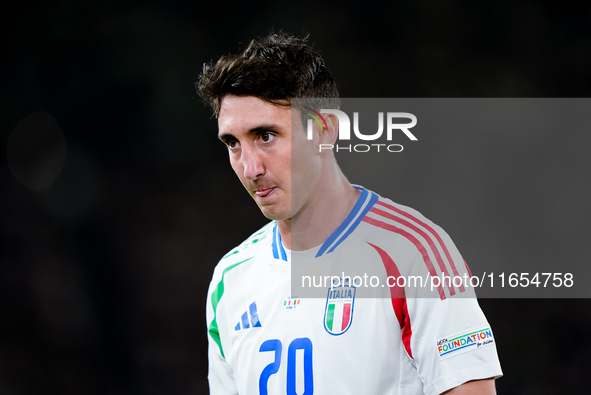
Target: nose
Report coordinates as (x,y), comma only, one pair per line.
(252,163)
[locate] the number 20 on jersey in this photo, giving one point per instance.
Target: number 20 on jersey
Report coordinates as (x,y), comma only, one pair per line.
(302,343)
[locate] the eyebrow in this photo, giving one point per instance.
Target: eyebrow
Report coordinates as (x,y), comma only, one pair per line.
(268,126)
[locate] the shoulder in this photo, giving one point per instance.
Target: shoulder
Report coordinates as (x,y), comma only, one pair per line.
(249,248)
(392,219)
(385,208)
(415,245)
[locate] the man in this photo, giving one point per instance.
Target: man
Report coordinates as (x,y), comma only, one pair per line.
(262,340)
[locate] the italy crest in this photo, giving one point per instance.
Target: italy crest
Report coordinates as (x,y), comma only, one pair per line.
(338,313)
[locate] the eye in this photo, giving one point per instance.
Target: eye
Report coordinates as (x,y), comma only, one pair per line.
(231,144)
(267,137)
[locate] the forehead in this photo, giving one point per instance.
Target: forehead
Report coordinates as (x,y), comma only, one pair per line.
(243,113)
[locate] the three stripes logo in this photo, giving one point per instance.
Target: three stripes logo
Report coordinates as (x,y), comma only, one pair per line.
(249,319)
(427,239)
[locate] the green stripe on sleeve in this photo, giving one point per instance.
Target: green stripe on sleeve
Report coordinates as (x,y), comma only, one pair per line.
(215,299)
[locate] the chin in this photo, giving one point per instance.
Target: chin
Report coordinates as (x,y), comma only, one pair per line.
(276,215)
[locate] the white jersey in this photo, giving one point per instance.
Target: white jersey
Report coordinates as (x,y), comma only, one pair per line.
(264,341)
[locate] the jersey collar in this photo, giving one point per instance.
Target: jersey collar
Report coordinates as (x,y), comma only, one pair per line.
(364,203)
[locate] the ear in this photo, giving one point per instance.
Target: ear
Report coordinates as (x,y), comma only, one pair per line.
(329,135)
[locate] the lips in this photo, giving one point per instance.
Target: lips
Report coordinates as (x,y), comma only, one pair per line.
(263,192)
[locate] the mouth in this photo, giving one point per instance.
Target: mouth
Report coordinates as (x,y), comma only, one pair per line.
(264,192)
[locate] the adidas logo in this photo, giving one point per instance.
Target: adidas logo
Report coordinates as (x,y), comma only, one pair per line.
(245,322)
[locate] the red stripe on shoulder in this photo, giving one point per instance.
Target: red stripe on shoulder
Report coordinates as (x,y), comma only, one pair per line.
(416,243)
(433,247)
(398,299)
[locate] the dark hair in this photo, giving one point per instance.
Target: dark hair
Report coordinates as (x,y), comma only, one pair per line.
(276,69)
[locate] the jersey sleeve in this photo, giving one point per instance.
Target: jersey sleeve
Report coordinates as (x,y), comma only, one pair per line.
(450,341)
(220,375)
(221,381)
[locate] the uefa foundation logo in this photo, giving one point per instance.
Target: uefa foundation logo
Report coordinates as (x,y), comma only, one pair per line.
(394,124)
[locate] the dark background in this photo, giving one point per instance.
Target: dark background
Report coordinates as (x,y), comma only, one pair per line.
(104,273)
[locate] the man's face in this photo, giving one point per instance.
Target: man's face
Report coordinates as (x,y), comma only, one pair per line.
(260,142)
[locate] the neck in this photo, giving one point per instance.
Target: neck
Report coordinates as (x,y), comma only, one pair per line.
(321,215)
